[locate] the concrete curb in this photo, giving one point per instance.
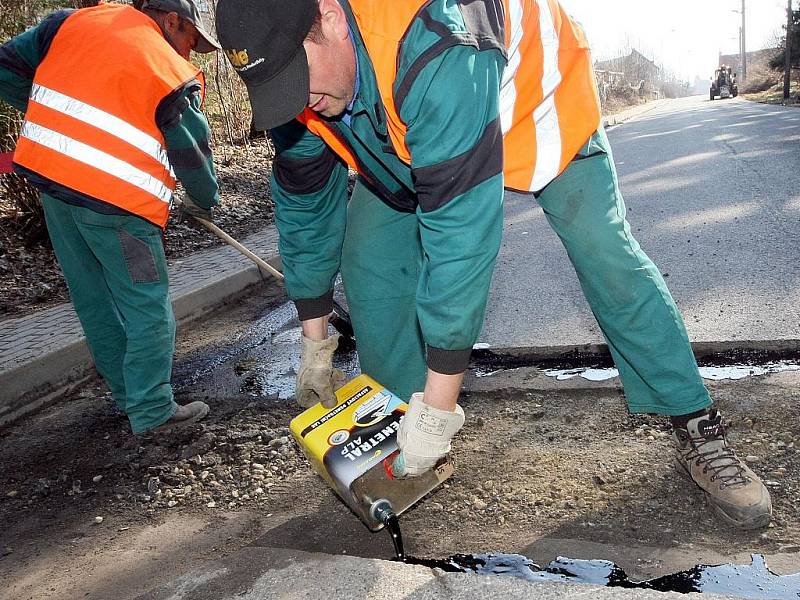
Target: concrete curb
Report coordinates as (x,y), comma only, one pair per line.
(630,113)
(60,371)
(38,382)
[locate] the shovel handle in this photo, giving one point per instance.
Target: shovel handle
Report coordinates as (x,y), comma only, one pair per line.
(262,264)
(340,319)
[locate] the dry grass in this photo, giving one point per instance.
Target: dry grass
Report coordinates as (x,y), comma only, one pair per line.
(774,95)
(621,99)
(761,78)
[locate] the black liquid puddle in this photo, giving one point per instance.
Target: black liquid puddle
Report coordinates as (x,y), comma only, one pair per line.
(744,581)
(252,349)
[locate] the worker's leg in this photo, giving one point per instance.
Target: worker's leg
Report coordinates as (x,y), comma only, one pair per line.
(628,296)
(105,334)
(645,332)
(132,254)
(381,260)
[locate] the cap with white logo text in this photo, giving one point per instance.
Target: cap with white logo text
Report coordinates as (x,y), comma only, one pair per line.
(263,39)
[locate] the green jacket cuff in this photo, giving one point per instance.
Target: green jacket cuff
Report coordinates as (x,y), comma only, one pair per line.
(448,362)
(311,308)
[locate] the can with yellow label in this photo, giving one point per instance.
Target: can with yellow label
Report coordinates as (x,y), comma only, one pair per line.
(352,446)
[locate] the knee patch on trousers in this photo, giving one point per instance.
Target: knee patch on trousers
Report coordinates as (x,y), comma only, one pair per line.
(138,258)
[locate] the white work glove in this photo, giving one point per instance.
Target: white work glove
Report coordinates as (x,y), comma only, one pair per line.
(317,379)
(424,436)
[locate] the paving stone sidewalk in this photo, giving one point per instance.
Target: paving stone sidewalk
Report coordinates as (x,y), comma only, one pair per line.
(44,352)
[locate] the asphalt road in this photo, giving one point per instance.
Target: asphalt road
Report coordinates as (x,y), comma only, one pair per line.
(713,196)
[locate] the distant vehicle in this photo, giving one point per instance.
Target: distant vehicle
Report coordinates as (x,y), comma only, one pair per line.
(723,84)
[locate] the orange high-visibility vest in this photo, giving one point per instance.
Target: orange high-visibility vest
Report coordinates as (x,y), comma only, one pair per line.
(548,98)
(91,119)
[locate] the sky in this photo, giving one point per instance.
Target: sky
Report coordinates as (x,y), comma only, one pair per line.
(686,36)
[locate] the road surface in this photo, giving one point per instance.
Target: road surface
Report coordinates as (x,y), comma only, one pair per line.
(713,196)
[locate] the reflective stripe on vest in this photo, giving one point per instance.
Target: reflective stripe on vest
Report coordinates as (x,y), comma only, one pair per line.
(548,100)
(96,158)
(545,116)
(102,120)
(90,123)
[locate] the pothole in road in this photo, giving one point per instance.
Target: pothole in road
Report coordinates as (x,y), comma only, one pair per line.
(559,463)
(262,362)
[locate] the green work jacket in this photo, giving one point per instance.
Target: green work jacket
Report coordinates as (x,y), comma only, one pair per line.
(454,184)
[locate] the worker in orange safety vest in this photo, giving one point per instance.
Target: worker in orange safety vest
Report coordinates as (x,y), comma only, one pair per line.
(112,121)
(440,105)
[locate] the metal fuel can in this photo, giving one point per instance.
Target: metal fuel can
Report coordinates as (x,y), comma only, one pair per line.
(352,446)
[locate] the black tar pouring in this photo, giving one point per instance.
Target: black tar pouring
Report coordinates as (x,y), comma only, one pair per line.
(382,511)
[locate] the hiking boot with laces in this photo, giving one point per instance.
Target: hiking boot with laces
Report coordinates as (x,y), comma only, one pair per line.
(735,492)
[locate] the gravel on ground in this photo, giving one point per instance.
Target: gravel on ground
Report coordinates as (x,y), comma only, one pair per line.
(533,466)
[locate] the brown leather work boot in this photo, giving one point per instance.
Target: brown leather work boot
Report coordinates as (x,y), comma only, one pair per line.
(186,414)
(735,492)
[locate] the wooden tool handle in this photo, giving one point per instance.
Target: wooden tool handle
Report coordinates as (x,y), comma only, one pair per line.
(254,257)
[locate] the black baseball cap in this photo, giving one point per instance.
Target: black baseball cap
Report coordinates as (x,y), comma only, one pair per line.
(263,39)
(187,10)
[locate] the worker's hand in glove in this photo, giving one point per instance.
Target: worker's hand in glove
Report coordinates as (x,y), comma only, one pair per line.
(424,437)
(317,379)
(190,211)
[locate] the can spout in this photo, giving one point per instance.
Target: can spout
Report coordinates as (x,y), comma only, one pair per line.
(382,511)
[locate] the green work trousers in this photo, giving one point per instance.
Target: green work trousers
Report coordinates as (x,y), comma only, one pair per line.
(382,256)
(626,292)
(116,272)
(381,263)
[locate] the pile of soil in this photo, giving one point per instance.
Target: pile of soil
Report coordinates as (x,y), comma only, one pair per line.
(30,278)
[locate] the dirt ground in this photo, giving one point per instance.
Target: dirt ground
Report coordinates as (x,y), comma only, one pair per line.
(89,511)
